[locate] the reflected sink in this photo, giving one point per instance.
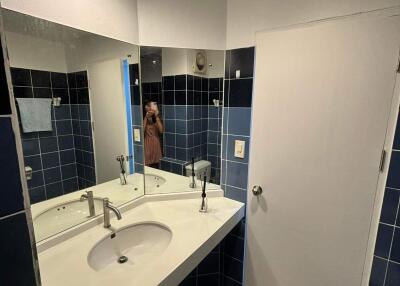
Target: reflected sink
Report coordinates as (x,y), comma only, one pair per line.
(63,216)
(153,181)
(130,245)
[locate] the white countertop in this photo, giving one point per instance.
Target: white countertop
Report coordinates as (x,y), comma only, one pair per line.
(194,235)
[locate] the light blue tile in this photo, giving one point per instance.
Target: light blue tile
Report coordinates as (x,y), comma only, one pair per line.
(237,175)
(169,111)
(239,121)
(180,112)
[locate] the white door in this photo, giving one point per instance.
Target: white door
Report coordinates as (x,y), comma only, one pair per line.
(322,100)
(109,116)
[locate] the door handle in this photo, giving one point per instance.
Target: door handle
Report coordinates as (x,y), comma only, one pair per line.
(257,190)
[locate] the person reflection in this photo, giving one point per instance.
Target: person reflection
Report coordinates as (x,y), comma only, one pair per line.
(153,128)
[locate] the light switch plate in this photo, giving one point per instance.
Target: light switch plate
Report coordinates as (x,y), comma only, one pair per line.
(239,148)
(237,73)
(136,134)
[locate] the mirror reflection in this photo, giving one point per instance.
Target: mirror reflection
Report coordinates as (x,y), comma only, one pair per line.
(74,94)
(182,95)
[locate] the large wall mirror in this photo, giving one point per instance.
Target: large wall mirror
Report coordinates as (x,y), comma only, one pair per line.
(182,96)
(77,100)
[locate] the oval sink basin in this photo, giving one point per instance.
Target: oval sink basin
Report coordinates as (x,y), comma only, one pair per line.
(154,181)
(130,245)
(62,216)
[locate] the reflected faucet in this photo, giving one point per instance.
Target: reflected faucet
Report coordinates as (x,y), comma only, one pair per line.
(122,176)
(107,207)
(192,184)
(89,197)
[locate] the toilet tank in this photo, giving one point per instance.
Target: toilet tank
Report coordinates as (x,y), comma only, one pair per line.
(201,168)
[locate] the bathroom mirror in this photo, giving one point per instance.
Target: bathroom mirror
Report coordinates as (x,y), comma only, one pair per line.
(76,94)
(182,95)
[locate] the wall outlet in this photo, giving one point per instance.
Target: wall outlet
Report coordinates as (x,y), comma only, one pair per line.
(136,134)
(239,148)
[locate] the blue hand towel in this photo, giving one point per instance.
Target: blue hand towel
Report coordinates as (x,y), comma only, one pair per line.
(35,114)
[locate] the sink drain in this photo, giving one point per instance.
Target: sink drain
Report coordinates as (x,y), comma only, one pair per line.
(122,259)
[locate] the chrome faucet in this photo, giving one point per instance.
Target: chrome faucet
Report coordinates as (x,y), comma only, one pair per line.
(106,210)
(204,205)
(89,197)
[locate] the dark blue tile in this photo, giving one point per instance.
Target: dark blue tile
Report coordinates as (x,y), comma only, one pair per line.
(396,143)
(75,111)
(243,60)
(190,281)
(83,95)
(227,281)
(63,112)
(73,96)
(37,180)
(16,263)
(138,153)
(240,93)
(181,154)
(169,97)
(168,82)
(180,82)
(197,96)
(87,144)
(233,268)
(35,162)
(50,160)
(181,141)
(213,84)
(58,80)
(234,247)
(135,95)
(210,264)
(169,111)
(383,240)
(64,127)
(86,128)
(88,158)
(227,63)
(389,207)
(239,229)
(66,142)
(378,272)
(11,192)
(169,139)
(48,144)
(393,179)
(30,147)
(42,92)
(165,165)
(209,280)
(52,175)
(54,190)
(170,152)
(238,121)
(137,115)
(81,79)
(67,157)
(71,79)
(37,195)
(70,185)
(21,77)
(204,84)
(393,275)
(139,168)
(68,171)
(237,175)
(395,250)
(180,97)
(22,92)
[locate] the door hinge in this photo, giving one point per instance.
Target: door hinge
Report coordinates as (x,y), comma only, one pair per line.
(383,160)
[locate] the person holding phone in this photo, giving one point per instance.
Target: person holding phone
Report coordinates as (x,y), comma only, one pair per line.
(153,128)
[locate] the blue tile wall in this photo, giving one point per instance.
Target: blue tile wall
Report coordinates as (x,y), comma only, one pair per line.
(236,117)
(62,160)
(18,254)
(386,262)
(137,115)
(191,121)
